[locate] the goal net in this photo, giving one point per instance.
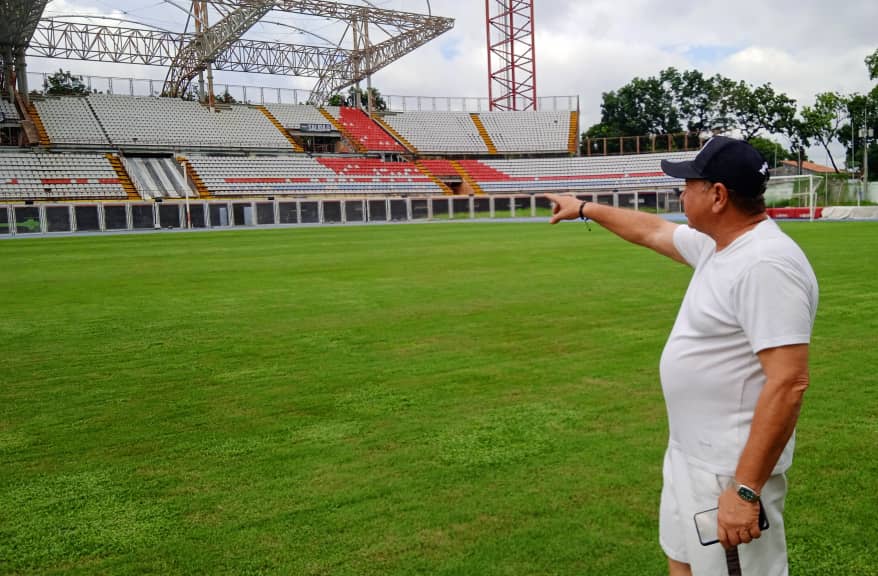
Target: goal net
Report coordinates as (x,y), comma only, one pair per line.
(794,192)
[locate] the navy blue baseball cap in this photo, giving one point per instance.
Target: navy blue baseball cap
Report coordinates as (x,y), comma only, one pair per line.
(733,162)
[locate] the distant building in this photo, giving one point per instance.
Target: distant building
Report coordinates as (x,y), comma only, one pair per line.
(791,168)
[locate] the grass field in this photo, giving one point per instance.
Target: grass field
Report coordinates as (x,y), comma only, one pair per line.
(438,399)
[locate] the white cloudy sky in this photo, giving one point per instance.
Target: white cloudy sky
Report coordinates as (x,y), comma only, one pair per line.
(583,47)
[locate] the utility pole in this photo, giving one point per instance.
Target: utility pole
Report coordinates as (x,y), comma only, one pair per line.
(196,13)
(853,144)
(866,145)
(211,102)
(866,133)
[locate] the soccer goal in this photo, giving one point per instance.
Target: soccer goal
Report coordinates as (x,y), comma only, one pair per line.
(798,193)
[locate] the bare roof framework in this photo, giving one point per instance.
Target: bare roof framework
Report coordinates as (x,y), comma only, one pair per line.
(222,47)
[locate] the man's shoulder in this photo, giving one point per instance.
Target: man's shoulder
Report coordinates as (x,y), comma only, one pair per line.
(767,241)
(772,259)
(693,245)
(775,244)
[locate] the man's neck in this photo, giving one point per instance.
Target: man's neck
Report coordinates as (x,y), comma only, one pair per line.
(736,228)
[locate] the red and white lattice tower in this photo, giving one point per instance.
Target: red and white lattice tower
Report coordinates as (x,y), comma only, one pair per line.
(512,68)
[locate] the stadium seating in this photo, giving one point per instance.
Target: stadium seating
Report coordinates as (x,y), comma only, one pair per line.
(244,151)
(376,175)
(170,122)
(238,176)
(438,132)
(279,175)
(292,116)
(510,132)
(372,137)
(44,176)
(8,113)
(441,168)
(527,132)
(158,178)
(70,121)
(579,173)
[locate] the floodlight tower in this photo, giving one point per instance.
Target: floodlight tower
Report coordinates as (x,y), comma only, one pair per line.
(512,68)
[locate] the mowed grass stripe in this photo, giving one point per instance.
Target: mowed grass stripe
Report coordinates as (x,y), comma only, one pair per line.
(419,399)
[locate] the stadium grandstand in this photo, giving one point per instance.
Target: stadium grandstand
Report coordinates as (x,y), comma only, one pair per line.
(107,160)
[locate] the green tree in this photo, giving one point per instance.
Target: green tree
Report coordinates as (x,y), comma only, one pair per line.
(771,150)
(725,108)
(760,109)
(643,106)
(63,83)
(597,131)
(798,132)
(718,104)
(378,102)
(699,100)
(824,119)
(601,130)
(862,111)
(190,94)
(872,65)
(226,98)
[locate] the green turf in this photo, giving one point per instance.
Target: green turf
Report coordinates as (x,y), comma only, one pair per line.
(438,399)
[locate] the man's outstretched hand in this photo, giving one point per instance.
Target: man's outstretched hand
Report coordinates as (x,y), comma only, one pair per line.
(564,207)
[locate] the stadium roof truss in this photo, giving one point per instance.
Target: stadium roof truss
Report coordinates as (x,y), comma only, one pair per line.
(222,47)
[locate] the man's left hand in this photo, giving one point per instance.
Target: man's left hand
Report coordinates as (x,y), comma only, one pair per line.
(738,520)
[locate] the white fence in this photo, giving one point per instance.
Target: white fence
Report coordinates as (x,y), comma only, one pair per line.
(273,95)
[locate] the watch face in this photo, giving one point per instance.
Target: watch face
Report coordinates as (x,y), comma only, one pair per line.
(747,494)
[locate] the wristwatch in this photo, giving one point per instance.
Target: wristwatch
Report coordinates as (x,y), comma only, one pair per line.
(746,493)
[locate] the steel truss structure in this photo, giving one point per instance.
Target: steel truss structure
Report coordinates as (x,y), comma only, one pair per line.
(221,47)
(512,71)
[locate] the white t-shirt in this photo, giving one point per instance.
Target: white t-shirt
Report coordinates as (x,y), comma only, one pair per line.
(759,292)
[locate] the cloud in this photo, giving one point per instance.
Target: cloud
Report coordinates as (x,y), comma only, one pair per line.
(69,10)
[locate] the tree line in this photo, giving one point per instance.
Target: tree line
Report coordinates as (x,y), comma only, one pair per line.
(378,102)
(689,102)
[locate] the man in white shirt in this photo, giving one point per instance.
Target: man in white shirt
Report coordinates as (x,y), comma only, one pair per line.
(735,367)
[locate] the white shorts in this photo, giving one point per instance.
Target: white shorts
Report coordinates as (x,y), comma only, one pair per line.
(689,489)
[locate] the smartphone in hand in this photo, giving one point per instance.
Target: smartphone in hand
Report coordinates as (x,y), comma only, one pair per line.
(706,525)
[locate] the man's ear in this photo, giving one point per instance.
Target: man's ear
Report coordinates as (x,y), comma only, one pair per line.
(720,197)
